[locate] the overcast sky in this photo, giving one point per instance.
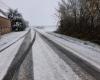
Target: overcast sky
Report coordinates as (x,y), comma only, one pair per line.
(37,12)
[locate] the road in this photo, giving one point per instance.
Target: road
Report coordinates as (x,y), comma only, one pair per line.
(42,56)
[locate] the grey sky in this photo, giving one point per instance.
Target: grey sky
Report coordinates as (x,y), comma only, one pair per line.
(37,12)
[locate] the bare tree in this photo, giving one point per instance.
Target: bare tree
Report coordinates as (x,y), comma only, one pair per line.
(80,18)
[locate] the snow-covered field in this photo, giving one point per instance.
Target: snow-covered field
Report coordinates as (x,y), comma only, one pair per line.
(7,39)
(48,28)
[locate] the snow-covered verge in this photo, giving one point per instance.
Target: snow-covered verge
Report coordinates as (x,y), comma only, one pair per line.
(91,56)
(86,44)
(7,56)
(8,39)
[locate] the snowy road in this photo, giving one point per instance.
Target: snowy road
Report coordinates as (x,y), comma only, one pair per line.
(7,56)
(48,65)
(44,56)
(13,58)
(83,61)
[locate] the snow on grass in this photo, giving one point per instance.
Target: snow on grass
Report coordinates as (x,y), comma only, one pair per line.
(86,44)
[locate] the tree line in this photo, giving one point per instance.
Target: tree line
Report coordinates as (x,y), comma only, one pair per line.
(80,18)
(18,23)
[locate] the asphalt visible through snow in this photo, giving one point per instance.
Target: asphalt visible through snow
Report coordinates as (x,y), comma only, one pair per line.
(38,58)
(21,67)
(74,63)
(25,70)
